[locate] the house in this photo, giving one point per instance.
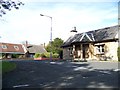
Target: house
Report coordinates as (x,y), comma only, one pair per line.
(32,49)
(98,44)
(10,50)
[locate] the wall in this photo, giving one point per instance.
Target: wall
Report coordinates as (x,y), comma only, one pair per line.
(110,52)
(66,53)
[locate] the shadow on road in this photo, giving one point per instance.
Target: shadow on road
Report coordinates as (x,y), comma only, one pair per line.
(54,74)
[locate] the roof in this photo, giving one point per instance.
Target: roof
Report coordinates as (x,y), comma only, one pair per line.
(36,49)
(104,34)
(11,48)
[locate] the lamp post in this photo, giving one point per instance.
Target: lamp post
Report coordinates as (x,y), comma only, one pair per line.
(50,35)
(119,23)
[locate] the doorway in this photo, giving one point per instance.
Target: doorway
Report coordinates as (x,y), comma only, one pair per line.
(85,48)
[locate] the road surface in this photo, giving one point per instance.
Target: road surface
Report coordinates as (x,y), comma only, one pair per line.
(62,74)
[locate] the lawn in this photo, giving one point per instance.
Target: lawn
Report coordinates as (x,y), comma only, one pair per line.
(6,66)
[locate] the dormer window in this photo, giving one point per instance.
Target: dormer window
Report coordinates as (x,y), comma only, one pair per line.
(16,47)
(4,47)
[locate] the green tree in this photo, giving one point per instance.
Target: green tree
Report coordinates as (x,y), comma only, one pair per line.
(55,46)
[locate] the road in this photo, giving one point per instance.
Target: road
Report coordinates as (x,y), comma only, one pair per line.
(62,74)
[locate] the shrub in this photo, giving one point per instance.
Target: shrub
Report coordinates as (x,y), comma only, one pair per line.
(118,53)
(15,56)
(55,55)
(37,55)
(47,54)
(43,55)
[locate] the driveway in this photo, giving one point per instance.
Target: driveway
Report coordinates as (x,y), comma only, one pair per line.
(62,74)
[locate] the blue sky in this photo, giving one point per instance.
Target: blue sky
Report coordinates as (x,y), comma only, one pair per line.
(27,24)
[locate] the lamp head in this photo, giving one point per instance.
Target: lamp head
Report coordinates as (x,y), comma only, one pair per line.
(41,15)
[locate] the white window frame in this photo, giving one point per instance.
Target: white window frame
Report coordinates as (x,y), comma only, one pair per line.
(4,47)
(16,47)
(100,49)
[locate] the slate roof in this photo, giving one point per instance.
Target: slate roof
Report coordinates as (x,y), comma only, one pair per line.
(99,35)
(36,49)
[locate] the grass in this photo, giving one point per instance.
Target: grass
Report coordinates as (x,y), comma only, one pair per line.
(6,66)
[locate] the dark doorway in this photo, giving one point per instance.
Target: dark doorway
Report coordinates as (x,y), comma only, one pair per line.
(85,51)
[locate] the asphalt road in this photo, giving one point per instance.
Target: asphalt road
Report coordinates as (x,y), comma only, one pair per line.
(65,74)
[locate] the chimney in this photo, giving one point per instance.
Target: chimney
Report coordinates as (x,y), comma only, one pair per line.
(26,43)
(43,45)
(73,32)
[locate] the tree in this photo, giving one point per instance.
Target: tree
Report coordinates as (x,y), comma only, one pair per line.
(8,5)
(55,46)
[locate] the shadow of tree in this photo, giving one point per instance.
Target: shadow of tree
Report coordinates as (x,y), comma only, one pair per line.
(56,74)
(84,76)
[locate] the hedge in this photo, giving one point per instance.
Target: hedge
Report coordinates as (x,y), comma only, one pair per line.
(46,55)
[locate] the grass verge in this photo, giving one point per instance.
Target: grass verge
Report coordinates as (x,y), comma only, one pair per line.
(7,66)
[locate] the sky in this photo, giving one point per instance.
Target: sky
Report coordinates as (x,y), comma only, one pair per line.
(17,26)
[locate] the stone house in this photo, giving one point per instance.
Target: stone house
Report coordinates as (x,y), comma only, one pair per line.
(98,44)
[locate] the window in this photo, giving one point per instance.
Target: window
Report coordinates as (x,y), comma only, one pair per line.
(4,46)
(16,47)
(100,49)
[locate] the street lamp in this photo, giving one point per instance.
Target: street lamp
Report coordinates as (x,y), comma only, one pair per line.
(50,35)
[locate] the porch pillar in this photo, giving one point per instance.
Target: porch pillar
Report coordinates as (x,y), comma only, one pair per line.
(81,51)
(73,52)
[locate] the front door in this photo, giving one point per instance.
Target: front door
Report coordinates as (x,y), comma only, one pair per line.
(85,51)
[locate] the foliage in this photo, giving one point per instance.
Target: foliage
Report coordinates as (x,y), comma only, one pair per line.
(46,55)
(37,55)
(42,55)
(15,56)
(7,66)
(118,52)
(55,46)
(55,55)
(8,5)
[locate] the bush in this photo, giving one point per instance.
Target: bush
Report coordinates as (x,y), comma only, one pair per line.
(42,55)
(47,55)
(37,55)
(118,52)
(15,56)
(55,55)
